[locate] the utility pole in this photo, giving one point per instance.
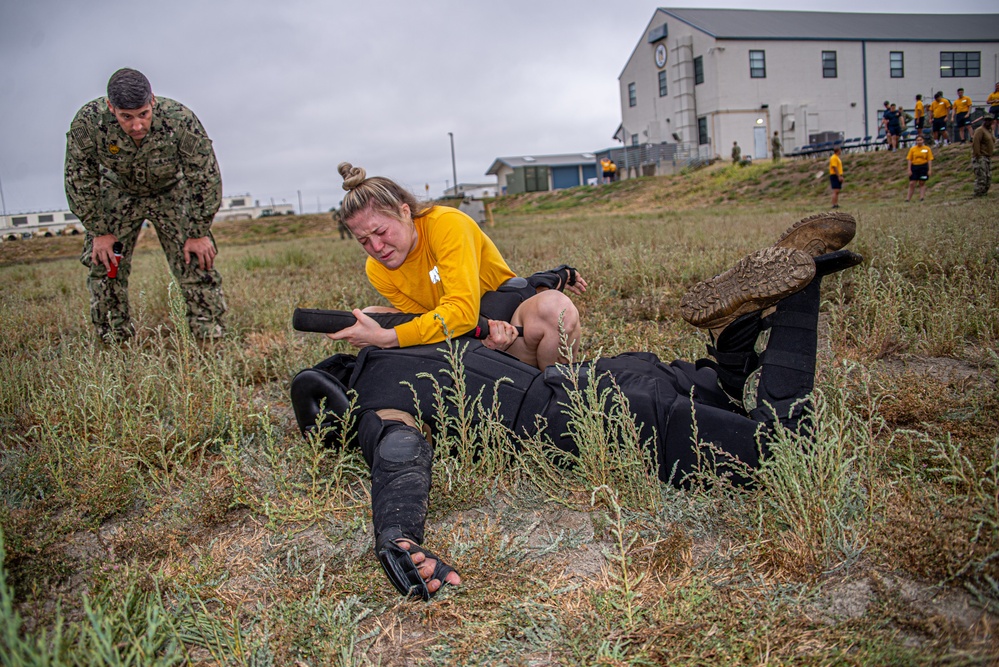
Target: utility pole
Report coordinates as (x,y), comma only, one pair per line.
(300,209)
(3,202)
(454,170)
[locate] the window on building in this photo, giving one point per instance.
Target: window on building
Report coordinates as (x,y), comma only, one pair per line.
(896,61)
(48,217)
(237,202)
(632,95)
(758,64)
(829,65)
(634,140)
(702,131)
(662,83)
(19,220)
(960,63)
(698,70)
(69,217)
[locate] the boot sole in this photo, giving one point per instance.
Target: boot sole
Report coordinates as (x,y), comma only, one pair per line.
(819,234)
(756,282)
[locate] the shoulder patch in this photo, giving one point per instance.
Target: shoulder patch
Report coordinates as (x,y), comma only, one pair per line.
(188,143)
(81,134)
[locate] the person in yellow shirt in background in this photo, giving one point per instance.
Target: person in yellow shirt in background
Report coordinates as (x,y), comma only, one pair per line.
(962,105)
(993,102)
(609,169)
(836,175)
(940,108)
(920,114)
(919,159)
(435,261)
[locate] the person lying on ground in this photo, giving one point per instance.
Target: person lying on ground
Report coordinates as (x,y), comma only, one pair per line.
(763,318)
(435,261)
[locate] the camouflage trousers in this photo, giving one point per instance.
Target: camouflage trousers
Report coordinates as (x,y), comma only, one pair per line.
(202,290)
(982,166)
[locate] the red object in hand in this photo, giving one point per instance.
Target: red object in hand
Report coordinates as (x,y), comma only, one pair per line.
(116,249)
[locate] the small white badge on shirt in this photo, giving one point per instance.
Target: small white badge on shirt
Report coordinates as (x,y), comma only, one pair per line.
(435,276)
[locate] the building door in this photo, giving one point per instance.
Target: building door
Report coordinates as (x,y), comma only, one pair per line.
(759,142)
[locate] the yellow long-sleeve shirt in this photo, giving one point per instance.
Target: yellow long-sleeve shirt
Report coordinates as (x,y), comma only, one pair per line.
(453,264)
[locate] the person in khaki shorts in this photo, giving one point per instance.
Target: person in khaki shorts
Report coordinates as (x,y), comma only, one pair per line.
(132,157)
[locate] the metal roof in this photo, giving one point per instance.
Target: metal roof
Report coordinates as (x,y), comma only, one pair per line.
(793,25)
(564,160)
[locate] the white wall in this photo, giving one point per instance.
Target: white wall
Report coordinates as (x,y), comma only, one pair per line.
(732,100)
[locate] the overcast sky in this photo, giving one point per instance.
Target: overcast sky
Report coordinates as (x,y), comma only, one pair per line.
(289,89)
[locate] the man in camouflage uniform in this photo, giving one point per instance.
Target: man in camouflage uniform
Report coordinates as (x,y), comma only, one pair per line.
(132,157)
(982,146)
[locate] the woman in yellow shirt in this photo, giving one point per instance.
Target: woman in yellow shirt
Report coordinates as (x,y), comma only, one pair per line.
(435,261)
(920,160)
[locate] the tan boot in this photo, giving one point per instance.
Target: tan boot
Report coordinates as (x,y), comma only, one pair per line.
(819,234)
(757,281)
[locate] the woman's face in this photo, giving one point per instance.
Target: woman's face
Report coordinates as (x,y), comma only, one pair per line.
(385,238)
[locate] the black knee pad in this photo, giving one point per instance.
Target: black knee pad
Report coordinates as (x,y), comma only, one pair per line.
(318,399)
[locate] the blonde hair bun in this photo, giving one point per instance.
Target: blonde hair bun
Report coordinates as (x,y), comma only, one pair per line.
(352,176)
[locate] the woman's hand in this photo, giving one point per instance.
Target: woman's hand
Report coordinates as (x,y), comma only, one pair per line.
(366,332)
(577,286)
(501,335)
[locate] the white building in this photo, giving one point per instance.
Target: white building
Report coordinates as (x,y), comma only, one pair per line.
(473,190)
(705,78)
(42,223)
(244,207)
(50,223)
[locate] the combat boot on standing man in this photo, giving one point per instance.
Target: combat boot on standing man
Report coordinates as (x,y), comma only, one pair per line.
(132,157)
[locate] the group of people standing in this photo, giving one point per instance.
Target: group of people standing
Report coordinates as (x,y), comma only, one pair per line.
(919,163)
(941,112)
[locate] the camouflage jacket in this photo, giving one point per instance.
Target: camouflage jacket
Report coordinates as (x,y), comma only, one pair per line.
(101,157)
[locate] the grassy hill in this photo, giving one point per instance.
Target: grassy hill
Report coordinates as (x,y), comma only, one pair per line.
(875,176)
(158,504)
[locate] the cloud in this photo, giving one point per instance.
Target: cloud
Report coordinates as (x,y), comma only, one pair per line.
(288,89)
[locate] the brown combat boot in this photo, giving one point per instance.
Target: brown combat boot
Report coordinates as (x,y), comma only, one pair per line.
(819,234)
(757,281)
